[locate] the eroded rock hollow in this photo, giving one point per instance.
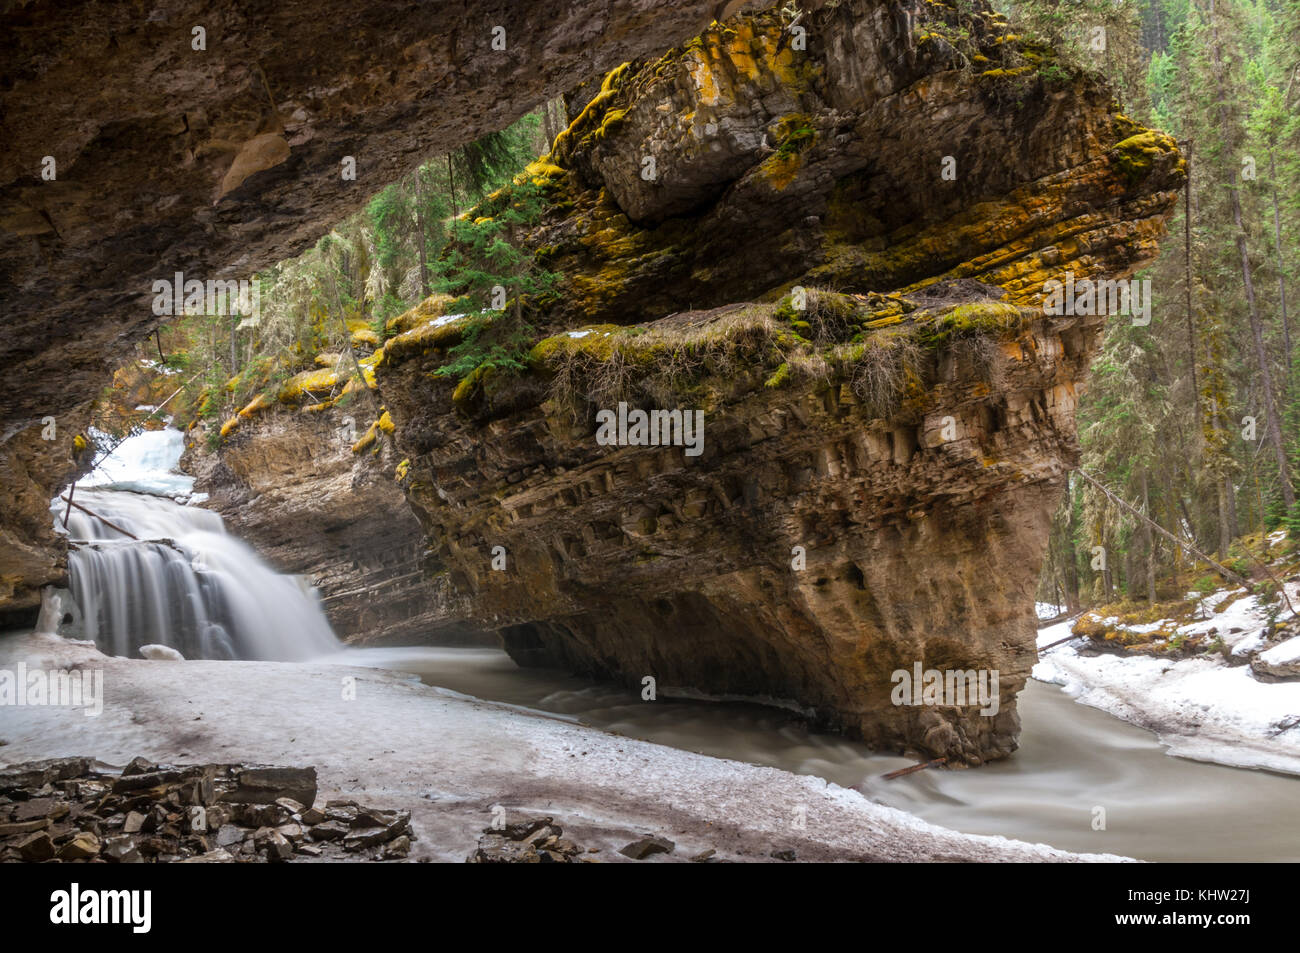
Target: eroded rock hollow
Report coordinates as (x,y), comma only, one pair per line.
(838,256)
(141,141)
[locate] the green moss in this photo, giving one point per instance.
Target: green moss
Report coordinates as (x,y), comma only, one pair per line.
(310,384)
(367,439)
(966,320)
(420,340)
(544,174)
(364,336)
(1002,73)
(613,118)
(794,134)
(1125,127)
(470,384)
(590,120)
(1136,155)
(780,377)
(598,342)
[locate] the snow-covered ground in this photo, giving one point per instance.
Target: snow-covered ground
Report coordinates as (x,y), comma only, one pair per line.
(1209,707)
(450,759)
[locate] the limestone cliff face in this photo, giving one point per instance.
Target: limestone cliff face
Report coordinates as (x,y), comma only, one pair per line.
(183,136)
(827,166)
(878,467)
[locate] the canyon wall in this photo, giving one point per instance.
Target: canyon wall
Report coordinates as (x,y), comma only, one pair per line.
(888,411)
(142,141)
(290,484)
(830,236)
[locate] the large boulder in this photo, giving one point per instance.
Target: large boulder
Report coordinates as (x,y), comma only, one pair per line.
(879,466)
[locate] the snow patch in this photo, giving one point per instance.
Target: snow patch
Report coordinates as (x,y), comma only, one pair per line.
(161,653)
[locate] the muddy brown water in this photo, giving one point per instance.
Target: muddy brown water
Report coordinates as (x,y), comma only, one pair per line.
(1072,760)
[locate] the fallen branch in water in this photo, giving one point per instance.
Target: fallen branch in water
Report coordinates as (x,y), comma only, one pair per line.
(108,523)
(902,772)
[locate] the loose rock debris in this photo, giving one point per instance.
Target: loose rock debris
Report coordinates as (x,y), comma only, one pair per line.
(68,810)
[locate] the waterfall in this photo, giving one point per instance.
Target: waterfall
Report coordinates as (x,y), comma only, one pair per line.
(184,582)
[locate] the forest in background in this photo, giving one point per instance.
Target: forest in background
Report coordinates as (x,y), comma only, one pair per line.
(1193,419)
(341,296)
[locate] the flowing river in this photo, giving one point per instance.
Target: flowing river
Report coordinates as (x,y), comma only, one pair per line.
(188,584)
(1071,760)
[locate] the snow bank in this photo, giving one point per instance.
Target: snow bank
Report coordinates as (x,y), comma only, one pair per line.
(394,742)
(1203,708)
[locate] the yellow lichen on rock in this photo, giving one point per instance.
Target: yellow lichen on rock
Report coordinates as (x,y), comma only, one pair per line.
(438,333)
(260,402)
(310,384)
(365,337)
(434,306)
(368,438)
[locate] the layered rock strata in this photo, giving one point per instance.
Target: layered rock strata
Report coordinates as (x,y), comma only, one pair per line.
(878,466)
(291,485)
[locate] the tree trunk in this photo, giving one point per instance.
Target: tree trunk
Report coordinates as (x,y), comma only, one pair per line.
(234,345)
(1281,272)
(1187,282)
(451,185)
(1225,522)
(1151,544)
(1256,325)
(550,123)
(347,346)
(1071,560)
(421,237)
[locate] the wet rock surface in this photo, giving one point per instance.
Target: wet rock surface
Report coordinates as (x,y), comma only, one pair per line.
(69,810)
(289,484)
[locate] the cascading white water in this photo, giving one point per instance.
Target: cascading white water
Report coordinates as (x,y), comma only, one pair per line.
(186,582)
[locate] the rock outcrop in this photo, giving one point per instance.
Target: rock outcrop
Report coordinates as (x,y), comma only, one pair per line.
(878,465)
(179,137)
(34,461)
(289,483)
